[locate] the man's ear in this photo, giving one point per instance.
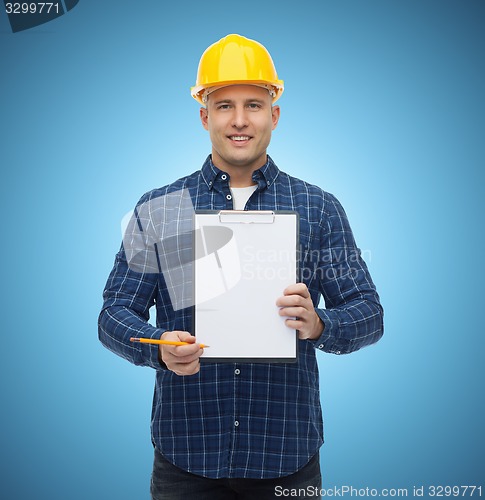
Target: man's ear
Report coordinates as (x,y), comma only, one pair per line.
(275,115)
(204,117)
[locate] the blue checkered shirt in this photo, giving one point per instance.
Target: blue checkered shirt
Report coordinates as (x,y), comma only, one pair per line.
(247,420)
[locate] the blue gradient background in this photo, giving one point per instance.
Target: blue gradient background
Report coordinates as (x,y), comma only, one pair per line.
(384,107)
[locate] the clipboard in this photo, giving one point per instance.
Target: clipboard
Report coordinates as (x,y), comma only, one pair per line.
(243,261)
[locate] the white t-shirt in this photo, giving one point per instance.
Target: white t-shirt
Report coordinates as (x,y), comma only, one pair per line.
(240,196)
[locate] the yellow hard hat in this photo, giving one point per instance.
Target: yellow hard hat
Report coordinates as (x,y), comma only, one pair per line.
(235,60)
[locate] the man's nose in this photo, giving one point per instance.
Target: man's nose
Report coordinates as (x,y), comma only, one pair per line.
(239,118)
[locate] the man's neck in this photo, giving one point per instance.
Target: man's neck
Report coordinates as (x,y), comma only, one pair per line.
(240,181)
(241,176)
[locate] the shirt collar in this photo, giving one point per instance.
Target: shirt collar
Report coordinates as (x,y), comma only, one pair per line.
(264,176)
(209,172)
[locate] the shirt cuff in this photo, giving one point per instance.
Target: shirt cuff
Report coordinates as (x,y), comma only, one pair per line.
(328,339)
(147,354)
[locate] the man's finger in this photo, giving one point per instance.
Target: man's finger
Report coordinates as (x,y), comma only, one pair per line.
(292,312)
(297,289)
(291,301)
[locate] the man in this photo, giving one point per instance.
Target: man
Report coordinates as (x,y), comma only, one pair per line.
(225,430)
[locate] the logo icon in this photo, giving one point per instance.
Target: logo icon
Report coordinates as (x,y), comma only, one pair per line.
(161,237)
(25,15)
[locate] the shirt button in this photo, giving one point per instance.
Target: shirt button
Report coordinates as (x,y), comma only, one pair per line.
(236,424)
(321,346)
(223,177)
(237,371)
(228,197)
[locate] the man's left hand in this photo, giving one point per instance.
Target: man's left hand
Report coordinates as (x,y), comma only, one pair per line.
(297,303)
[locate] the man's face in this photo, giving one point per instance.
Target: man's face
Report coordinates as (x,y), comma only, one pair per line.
(240,119)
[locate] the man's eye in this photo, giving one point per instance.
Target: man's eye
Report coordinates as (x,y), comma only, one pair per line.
(254,105)
(223,106)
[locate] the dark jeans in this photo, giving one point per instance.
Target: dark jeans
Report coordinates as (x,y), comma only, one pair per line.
(171,483)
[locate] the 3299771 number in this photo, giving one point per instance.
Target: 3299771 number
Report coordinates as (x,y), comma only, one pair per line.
(455,491)
(32,8)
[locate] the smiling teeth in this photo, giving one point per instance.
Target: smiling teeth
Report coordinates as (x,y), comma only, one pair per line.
(240,138)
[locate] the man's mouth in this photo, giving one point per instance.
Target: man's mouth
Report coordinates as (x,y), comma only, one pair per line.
(239,138)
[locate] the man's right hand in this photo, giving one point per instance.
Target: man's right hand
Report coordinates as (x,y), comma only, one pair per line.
(181,359)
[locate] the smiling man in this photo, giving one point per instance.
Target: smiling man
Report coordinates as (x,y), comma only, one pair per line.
(245,430)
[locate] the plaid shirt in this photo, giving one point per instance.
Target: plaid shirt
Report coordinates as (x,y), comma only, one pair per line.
(247,420)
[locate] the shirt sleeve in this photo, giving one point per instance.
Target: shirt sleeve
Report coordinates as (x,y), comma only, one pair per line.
(353,315)
(127,298)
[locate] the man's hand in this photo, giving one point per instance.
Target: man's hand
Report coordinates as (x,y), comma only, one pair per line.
(182,359)
(297,303)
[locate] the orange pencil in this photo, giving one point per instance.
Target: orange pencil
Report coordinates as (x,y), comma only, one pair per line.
(163,342)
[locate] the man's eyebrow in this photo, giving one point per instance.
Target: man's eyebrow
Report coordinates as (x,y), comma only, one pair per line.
(231,101)
(223,101)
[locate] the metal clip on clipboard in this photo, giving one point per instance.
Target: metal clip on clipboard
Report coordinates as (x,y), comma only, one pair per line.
(246,216)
